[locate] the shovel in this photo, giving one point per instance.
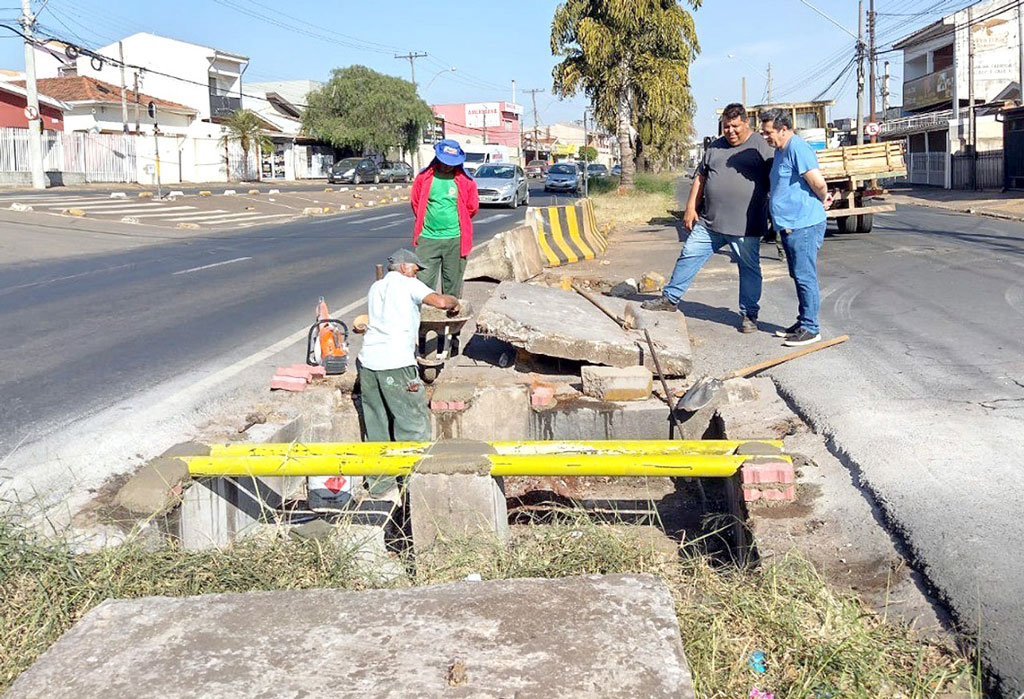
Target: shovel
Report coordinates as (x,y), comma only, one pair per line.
(701,393)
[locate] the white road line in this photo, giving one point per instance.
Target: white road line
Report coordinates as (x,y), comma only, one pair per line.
(496,217)
(389,225)
(44,282)
(215,264)
(197,214)
(169,211)
(251,217)
(225,217)
(61,202)
(374,218)
(105,209)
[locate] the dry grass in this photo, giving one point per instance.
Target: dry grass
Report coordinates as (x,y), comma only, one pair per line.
(817,642)
(653,199)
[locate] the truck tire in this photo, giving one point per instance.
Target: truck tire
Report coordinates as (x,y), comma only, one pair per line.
(847,224)
(865,222)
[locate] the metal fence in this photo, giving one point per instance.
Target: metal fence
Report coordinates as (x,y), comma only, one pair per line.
(96,157)
(926,168)
(987,174)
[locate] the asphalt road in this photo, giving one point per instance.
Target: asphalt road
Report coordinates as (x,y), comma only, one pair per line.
(925,404)
(85,334)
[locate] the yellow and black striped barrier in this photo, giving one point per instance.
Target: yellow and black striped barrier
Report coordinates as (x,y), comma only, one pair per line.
(568,233)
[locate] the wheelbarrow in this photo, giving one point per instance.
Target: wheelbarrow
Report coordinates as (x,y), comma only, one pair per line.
(439,339)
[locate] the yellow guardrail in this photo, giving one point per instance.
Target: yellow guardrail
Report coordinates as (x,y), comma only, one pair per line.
(652,458)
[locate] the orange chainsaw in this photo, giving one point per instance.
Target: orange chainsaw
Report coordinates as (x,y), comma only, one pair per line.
(327,343)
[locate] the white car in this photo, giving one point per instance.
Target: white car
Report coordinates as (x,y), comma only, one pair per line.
(502,183)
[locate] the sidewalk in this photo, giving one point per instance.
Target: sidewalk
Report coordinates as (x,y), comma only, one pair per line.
(1007,205)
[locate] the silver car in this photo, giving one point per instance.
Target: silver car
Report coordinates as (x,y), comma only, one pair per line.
(502,183)
(563,177)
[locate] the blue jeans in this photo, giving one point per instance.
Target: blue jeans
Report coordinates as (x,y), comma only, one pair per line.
(700,246)
(801,246)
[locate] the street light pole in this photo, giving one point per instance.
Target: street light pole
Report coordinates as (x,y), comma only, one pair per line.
(35,145)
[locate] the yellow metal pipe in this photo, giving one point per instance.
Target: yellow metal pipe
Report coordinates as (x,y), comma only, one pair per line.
(653,446)
(624,446)
(321,449)
(701,465)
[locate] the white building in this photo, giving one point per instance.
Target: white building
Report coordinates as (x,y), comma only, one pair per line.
(282,103)
(937,86)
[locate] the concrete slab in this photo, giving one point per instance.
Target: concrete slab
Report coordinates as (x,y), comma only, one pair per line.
(557,323)
(503,638)
(510,256)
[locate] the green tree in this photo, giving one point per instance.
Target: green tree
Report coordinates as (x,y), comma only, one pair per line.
(631,58)
(365,110)
(588,153)
(246,127)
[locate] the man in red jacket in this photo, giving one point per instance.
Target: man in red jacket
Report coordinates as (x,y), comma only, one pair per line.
(444,200)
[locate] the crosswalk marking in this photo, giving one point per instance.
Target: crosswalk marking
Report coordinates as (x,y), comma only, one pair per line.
(169,211)
(495,217)
(245,219)
(388,225)
(375,218)
(226,217)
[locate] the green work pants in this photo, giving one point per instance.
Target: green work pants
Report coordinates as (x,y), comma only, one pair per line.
(442,256)
(394,409)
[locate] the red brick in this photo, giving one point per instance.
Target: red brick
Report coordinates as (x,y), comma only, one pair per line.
(751,494)
(542,395)
(288,383)
(456,405)
(317,372)
(438,405)
(295,371)
(759,472)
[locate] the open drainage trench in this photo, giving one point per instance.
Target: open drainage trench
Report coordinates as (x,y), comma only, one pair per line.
(706,512)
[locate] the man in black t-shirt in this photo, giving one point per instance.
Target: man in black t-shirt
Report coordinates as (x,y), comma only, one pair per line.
(728,205)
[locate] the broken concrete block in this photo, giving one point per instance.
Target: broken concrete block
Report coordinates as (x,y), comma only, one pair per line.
(523,637)
(156,488)
(493,412)
(557,323)
(617,383)
(513,255)
(453,497)
(624,289)
(652,282)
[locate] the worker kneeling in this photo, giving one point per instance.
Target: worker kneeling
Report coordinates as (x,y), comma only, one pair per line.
(393,396)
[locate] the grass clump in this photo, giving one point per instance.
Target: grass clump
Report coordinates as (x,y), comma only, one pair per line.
(651,200)
(817,642)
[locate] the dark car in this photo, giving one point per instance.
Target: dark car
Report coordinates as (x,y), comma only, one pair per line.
(616,171)
(597,170)
(537,168)
(397,171)
(354,170)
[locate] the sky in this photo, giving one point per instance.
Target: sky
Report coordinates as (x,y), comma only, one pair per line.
(490,43)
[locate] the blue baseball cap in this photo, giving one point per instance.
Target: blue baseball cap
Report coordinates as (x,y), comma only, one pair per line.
(449,152)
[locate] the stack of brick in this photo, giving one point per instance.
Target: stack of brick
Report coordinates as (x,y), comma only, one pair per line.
(296,377)
(768,479)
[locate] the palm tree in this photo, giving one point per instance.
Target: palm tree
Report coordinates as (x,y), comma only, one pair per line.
(246,127)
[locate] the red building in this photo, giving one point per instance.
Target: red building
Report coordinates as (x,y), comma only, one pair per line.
(498,123)
(12,109)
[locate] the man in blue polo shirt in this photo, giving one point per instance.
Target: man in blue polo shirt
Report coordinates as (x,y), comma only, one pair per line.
(799,197)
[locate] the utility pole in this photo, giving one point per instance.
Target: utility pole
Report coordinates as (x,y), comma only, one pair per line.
(35,131)
(137,130)
(536,137)
(871,61)
(1020,48)
(411,57)
(769,87)
(124,98)
(743,90)
(860,73)
(583,154)
(971,124)
(885,93)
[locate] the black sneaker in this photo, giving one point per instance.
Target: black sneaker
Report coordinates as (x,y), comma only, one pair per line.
(748,324)
(658,304)
(801,337)
(795,327)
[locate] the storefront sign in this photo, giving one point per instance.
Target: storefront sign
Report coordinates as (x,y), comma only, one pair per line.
(928,90)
